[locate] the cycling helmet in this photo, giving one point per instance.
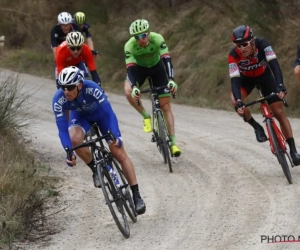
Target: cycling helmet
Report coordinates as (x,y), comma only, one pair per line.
(241,34)
(74,39)
(79,17)
(64,18)
(70,76)
(138,27)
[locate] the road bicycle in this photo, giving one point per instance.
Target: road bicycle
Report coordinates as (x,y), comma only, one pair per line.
(160,133)
(276,138)
(114,185)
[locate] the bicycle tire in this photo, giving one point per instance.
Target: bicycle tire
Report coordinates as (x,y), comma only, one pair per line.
(125,189)
(108,188)
(163,136)
(280,154)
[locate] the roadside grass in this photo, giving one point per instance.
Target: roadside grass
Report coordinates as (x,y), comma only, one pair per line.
(24,182)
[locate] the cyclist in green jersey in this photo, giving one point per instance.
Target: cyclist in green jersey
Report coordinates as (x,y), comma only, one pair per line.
(147,55)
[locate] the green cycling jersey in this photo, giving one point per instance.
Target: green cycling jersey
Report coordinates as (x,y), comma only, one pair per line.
(146,56)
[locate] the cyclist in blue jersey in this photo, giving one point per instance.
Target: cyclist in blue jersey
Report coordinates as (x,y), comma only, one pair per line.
(88,103)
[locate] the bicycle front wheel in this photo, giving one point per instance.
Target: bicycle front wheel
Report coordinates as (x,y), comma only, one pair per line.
(114,200)
(163,138)
(125,190)
(280,153)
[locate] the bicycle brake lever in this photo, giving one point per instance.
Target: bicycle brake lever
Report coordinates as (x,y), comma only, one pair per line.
(112,136)
(69,154)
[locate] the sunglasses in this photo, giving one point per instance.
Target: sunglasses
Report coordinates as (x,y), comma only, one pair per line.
(243,45)
(69,88)
(141,36)
(75,48)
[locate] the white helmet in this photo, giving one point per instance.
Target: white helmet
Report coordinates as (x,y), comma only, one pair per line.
(64,18)
(74,39)
(70,76)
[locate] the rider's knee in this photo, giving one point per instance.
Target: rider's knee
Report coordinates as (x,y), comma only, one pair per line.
(297,70)
(279,113)
(165,104)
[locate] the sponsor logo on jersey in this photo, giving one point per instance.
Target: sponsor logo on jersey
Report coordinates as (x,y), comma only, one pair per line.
(263,63)
(270,54)
(233,69)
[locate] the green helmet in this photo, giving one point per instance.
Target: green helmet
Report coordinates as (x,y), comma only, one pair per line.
(138,27)
(79,17)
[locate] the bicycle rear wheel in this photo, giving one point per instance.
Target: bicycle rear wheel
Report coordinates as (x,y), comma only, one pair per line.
(114,200)
(279,152)
(125,190)
(162,133)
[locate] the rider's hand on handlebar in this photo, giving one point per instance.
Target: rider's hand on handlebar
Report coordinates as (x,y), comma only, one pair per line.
(71,163)
(95,53)
(240,107)
(135,94)
(281,91)
(172,86)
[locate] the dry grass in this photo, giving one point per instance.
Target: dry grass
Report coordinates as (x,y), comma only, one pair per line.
(197,33)
(22,189)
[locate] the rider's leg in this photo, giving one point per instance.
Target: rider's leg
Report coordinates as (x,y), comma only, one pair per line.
(164,102)
(82,66)
(77,136)
(165,106)
(108,121)
(259,131)
(77,132)
(278,112)
(139,108)
(147,119)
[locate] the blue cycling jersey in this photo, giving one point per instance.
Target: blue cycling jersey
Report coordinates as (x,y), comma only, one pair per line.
(91,106)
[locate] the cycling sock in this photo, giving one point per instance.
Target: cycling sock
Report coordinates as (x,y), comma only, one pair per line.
(292,145)
(253,123)
(145,114)
(173,140)
(135,191)
(92,165)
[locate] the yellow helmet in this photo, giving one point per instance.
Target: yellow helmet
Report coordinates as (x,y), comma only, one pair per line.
(79,17)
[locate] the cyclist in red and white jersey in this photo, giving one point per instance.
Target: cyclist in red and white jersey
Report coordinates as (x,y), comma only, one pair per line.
(253,62)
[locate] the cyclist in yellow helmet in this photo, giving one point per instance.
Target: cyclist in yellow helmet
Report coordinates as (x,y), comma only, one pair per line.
(80,20)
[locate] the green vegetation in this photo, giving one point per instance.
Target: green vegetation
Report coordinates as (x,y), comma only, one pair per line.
(22,190)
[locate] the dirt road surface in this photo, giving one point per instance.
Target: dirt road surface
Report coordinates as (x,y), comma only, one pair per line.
(226,191)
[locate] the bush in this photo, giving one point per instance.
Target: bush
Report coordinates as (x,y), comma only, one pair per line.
(21,187)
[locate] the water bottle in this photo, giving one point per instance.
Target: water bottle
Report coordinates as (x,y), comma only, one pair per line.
(113,175)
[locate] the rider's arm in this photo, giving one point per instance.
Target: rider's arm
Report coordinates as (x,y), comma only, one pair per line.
(297,60)
(61,119)
(54,40)
(130,64)
(165,56)
(88,35)
(235,77)
(90,43)
(272,61)
(274,65)
(169,67)
(90,63)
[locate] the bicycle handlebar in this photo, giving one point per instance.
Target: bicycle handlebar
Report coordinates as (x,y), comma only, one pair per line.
(153,89)
(262,99)
(90,143)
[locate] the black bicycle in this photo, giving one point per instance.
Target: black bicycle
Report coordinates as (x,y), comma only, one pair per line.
(160,131)
(114,185)
(276,138)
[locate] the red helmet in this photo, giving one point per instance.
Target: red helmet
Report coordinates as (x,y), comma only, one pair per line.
(241,34)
